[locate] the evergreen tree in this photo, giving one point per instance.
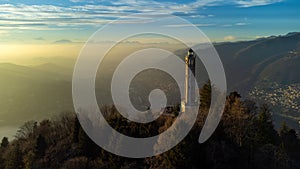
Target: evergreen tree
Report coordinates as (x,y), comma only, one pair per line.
(29,160)
(14,158)
(266,133)
(205,100)
(235,119)
(4,142)
(284,129)
(76,129)
(1,162)
(290,141)
(1,159)
(85,143)
(40,146)
(205,96)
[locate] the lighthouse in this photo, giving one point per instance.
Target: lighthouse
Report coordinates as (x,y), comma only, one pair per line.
(190,88)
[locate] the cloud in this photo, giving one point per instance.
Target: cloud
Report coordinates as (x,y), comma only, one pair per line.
(251,3)
(188,25)
(236,24)
(39,38)
(49,17)
(80,13)
(63,41)
(192,6)
(76,1)
(260,37)
(229,38)
(242,24)
(4,33)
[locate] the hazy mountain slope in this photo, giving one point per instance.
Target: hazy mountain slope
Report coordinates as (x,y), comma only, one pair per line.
(52,68)
(245,61)
(31,94)
(285,70)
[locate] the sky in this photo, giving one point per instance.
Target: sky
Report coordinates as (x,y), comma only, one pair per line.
(69,23)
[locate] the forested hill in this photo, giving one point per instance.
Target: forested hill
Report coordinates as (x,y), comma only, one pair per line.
(245,138)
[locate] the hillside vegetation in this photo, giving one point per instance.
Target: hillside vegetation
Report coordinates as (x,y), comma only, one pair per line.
(245,138)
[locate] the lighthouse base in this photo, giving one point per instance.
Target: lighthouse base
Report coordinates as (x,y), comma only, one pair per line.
(187,106)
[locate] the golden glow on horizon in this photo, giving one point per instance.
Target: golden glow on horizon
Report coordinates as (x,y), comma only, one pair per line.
(25,53)
(18,53)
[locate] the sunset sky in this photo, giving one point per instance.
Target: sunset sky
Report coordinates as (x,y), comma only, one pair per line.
(36,27)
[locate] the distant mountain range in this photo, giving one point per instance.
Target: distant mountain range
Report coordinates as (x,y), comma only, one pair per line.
(32,93)
(249,63)
(252,67)
(266,70)
(25,89)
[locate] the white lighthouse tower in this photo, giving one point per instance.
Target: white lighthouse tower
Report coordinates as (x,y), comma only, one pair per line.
(190,88)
